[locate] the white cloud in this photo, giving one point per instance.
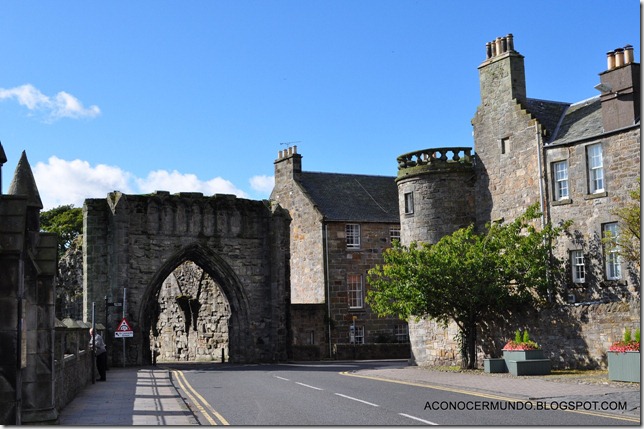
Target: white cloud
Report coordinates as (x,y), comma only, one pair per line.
(263,184)
(71,182)
(62,105)
(173,182)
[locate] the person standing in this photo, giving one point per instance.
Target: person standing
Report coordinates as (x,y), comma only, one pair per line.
(100,352)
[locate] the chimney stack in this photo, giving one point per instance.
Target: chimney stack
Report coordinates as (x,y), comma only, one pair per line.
(502,74)
(620,98)
(288,165)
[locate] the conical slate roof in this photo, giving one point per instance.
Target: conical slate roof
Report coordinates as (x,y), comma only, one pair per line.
(23,183)
(3,157)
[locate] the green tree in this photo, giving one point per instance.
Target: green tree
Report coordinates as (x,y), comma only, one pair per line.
(627,243)
(468,277)
(66,221)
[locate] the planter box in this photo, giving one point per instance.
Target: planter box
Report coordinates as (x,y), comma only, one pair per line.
(624,366)
(495,365)
(529,367)
(522,354)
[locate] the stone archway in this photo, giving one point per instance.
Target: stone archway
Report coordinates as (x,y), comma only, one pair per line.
(132,243)
(240,345)
(192,321)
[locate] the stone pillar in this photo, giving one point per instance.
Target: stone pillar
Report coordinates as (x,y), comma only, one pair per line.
(40,296)
(13,358)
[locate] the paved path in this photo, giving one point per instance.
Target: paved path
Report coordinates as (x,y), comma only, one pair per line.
(130,396)
(524,387)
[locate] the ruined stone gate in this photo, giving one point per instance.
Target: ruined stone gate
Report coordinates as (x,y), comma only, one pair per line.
(135,242)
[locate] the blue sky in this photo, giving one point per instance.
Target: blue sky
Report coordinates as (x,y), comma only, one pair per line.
(200,95)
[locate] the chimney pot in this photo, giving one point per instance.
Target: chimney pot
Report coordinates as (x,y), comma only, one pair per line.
(499,49)
(510,41)
(628,54)
(619,57)
(488,50)
(493,48)
(610,60)
(504,44)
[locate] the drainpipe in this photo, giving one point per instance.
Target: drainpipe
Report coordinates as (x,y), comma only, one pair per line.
(539,162)
(326,283)
(541,193)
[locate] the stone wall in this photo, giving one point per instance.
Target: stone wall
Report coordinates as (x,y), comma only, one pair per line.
(621,160)
(572,336)
(73,360)
(342,262)
(306,271)
(193,318)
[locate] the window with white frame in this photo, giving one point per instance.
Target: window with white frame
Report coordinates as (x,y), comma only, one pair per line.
(409,203)
(359,334)
(402,333)
(355,291)
(352,231)
(560,176)
(394,234)
(610,231)
(595,169)
(578,264)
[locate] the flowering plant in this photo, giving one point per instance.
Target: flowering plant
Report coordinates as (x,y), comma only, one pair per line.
(627,344)
(521,342)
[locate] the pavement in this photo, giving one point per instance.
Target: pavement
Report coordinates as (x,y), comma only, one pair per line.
(147,396)
(130,396)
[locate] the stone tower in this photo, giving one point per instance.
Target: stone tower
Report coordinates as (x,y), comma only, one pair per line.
(27,273)
(435,193)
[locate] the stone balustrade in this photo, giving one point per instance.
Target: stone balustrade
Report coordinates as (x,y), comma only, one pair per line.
(435,156)
(72,359)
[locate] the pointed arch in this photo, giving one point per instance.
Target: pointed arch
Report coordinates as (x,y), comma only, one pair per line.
(239,338)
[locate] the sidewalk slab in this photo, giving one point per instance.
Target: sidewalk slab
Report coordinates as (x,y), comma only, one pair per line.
(130,396)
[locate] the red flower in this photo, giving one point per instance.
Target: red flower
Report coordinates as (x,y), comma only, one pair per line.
(623,346)
(527,345)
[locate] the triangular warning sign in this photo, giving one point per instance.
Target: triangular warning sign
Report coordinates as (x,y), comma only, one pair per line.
(124,326)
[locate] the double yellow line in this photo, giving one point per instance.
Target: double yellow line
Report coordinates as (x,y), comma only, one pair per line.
(199,402)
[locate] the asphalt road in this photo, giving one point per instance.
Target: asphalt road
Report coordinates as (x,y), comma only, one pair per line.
(327,394)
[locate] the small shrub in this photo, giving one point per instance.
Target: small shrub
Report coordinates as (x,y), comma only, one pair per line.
(627,335)
(526,336)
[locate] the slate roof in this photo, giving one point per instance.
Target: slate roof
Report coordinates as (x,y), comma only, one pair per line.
(353,197)
(565,122)
(548,113)
(581,120)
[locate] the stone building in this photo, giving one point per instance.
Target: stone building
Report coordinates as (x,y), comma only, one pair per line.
(578,161)
(340,225)
(27,322)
